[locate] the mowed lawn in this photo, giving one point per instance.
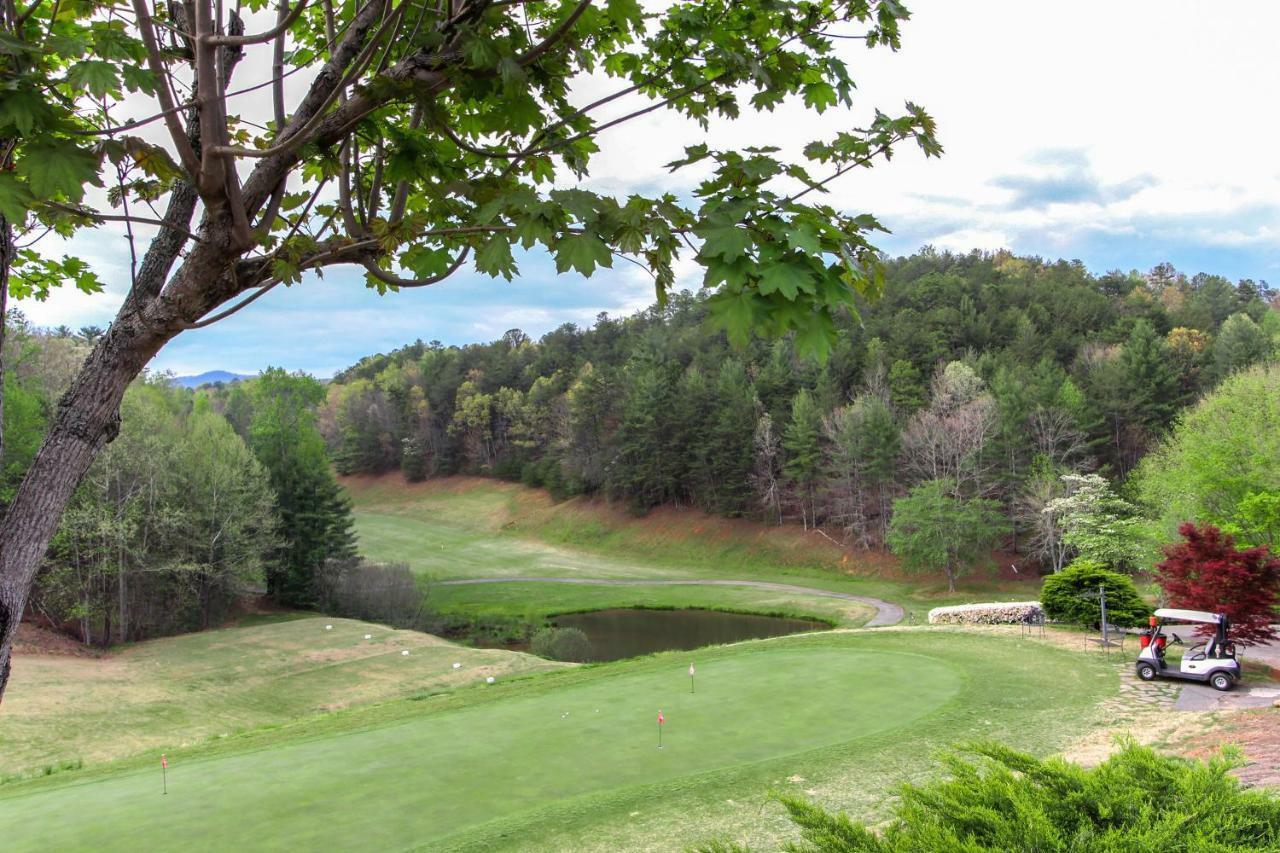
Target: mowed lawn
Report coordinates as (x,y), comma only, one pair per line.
(570,760)
(469,527)
(176,691)
(532,602)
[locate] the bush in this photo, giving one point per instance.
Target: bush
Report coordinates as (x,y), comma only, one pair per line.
(531,474)
(1007,800)
(375,592)
(997,613)
(568,644)
(509,468)
(1071,596)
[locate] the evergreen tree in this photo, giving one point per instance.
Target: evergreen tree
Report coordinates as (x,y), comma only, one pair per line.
(730,452)
(1149,379)
(315,515)
(1240,343)
(645,467)
(802,441)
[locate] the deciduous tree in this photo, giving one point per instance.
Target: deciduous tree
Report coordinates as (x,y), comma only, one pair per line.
(1206,571)
(934,529)
(424,136)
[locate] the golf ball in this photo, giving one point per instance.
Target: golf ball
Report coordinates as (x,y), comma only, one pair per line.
(490,680)
(328,627)
(405,653)
(457,666)
(368,636)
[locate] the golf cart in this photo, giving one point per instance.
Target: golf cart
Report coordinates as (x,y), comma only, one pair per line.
(1213,660)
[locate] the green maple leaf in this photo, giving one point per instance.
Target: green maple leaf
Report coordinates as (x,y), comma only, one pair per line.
(787,279)
(494,258)
(15,198)
(22,109)
(57,169)
(819,96)
(724,241)
(97,76)
(813,337)
(735,313)
(625,12)
(733,274)
(582,252)
(801,236)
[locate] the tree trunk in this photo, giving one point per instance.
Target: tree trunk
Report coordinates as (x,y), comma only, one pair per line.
(6,259)
(88,415)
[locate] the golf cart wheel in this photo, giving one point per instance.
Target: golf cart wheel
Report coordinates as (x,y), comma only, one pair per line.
(1146,672)
(1221,681)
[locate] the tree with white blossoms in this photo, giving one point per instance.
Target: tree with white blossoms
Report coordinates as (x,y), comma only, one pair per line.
(1098,524)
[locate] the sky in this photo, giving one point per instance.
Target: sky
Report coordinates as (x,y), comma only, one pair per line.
(1121,134)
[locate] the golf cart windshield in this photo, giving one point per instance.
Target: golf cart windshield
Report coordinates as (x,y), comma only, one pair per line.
(1169,614)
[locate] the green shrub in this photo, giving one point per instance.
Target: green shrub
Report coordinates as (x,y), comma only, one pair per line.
(1134,801)
(568,644)
(1072,596)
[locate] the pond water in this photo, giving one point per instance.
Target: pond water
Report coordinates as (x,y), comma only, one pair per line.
(627,632)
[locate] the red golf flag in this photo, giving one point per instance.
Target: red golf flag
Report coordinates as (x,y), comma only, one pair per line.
(164,762)
(661,719)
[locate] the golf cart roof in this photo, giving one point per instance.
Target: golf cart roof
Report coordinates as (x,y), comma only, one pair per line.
(1172,615)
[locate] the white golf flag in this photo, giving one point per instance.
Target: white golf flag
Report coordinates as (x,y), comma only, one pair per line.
(691,670)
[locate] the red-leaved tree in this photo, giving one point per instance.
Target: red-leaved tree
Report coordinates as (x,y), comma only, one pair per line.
(1207,572)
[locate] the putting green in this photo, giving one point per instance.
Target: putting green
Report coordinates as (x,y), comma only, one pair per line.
(417,783)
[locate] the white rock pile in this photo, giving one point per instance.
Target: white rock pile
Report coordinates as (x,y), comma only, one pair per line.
(993,613)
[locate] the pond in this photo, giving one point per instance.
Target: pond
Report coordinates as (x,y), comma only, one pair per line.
(626,632)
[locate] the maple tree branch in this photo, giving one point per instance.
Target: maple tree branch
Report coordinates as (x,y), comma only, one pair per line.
(557,34)
(239,306)
(396,281)
(282,24)
(164,94)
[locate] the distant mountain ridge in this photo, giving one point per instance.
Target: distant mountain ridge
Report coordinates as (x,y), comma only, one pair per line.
(209,377)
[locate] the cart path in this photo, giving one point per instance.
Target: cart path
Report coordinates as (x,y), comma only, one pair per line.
(887,613)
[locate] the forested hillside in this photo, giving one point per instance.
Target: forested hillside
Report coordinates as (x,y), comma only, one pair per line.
(187,509)
(993,373)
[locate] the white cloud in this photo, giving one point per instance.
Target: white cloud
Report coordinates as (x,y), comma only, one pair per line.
(1113,132)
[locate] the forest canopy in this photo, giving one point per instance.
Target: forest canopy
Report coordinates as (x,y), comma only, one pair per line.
(998,373)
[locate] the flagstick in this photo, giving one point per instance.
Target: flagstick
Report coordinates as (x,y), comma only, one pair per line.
(659,735)
(164,775)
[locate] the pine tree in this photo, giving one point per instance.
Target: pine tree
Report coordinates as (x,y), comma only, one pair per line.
(315,516)
(802,440)
(730,451)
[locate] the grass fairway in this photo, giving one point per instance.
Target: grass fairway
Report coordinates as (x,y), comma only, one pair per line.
(468,527)
(569,760)
(170,692)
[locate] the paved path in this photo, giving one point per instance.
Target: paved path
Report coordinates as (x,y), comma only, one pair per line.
(1268,653)
(887,613)
(1202,697)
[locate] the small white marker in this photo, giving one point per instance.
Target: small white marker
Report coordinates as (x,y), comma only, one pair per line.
(405,653)
(328,627)
(489,680)
(457,666)
(368,636)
